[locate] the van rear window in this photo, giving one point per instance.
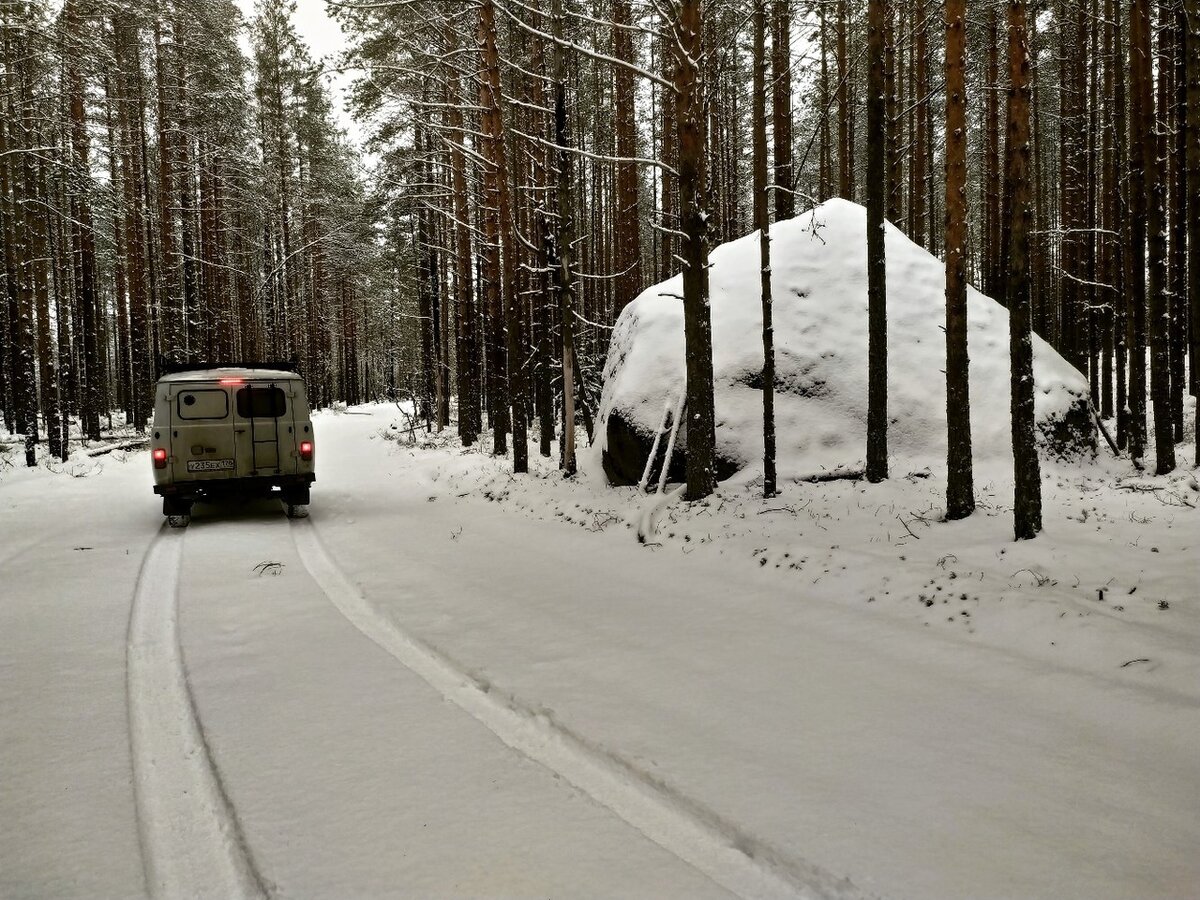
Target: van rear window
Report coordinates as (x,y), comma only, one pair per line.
(210,404)
(261,403)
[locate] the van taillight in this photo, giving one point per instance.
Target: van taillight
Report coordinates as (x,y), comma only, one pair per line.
(306,449)
(160,458)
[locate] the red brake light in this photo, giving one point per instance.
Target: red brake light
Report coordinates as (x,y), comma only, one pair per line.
(231,381)
(160,458)
(306,449)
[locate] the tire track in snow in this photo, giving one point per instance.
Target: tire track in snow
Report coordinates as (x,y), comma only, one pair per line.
(734,859)
(191,843)
(16,550)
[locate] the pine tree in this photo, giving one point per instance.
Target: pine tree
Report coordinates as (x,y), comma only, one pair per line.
(1027,506)
(1192,54)
(960,491)
(763,221)
(689,55)
(877,192)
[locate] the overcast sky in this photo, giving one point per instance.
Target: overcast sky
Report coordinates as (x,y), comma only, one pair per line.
(320,32)
(324,39)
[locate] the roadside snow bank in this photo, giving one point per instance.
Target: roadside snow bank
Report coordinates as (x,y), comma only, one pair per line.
(820,294)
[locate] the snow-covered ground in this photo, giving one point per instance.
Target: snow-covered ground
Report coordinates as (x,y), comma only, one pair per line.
(454,682)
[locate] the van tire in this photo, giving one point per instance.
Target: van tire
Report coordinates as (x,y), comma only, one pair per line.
(179,521)
(296,510)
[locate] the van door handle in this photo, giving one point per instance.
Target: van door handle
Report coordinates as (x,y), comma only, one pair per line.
(239,431)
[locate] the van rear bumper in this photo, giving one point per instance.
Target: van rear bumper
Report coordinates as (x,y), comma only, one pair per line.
(211,486)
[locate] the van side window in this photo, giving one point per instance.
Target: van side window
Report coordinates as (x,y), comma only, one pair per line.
(203,404)
(261,403)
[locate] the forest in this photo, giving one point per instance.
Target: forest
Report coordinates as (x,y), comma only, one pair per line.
(176,186)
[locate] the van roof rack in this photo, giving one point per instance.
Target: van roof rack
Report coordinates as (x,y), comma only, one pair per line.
(167,367)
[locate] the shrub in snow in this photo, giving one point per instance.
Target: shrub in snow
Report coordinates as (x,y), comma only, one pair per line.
(820,290)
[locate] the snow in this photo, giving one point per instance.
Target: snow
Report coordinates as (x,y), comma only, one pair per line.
(819,287)
(239,372)
(453,682)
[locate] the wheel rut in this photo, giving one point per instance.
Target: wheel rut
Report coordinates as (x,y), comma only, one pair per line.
(192,845)
(727,854)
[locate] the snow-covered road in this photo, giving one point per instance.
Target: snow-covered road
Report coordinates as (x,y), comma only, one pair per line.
(420,694)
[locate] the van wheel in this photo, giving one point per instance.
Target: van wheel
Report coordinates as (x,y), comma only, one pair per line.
(179,521)
(296,510)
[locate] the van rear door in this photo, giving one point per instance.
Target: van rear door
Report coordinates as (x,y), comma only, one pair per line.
(201,432)
(263,423)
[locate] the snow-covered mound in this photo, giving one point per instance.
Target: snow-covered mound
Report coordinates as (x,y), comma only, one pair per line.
(820,303)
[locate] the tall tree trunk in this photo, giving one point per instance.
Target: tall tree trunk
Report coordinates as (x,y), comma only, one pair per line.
(1177,203)
(845,136)
(170,290)
(991,157)
(120,255)
(781,105)
(493,178)
(670,180)
(762,221)
(877,193)
(26,291)
(426,287)
(1110,224)
(697,322)
(496,177)
(85,235)
(1140,95)
(1159,303)
(135,246)
(38,224)
(920,174)
(825,168)
(628,224)
(564,242)
(14,410)
(1193,196)
(1124,261)
(1027,506)
(960,490)
(8,297)
(891,87)
(468,363)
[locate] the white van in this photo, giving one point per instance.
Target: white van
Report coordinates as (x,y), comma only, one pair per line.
(235,430)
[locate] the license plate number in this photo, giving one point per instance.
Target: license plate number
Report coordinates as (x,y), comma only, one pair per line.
(210,465)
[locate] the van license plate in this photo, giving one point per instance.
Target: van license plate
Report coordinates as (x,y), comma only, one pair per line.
(210,465)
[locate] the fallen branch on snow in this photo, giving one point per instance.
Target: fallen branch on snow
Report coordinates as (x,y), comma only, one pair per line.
(832,475)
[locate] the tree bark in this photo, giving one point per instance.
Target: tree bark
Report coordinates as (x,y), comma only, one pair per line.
(781,106)
(892,148)
(845,137)
(960,490)
(564,244)
(762,221)
(1159,303)
(690,121)
(628,221)
(1139,92)
(1192,55)
(877,193)
(991,158)
(85,237)
(1027,505)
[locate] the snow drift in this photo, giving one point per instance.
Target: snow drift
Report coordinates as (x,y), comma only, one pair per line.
(820,297)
